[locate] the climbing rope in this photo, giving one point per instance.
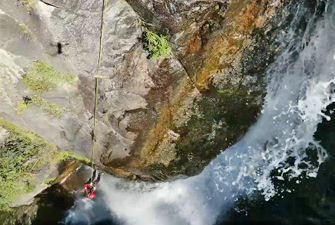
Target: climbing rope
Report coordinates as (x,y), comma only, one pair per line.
(96,84)
(96,92)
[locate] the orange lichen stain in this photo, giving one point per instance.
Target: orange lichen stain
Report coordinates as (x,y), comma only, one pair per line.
(194,45)
(221,51)
(260,22)
(165,121)
(247,18)
(157,134)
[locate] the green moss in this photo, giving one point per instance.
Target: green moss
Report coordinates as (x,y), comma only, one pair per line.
(26,32)
(42,78)
(157,46)
(51,181)
(29,4)
(51,108)
(65,156)
(22,106)
(22,155)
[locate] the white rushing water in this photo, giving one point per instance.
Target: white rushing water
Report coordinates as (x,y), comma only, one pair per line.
(280,146)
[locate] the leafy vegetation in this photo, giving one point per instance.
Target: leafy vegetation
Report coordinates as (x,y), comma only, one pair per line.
(157,46)
(22,155)
(42,78)
(51,108)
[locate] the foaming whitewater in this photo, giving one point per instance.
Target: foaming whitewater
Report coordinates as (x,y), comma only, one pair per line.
(280,146)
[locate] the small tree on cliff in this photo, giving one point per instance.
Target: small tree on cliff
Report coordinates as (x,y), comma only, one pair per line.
(157,45)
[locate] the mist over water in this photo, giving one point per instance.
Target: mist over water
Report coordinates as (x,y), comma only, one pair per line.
(280,146)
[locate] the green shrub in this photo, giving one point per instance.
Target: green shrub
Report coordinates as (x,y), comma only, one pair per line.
(157,46)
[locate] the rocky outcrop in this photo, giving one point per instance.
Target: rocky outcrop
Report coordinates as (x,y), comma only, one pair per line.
(155,118)
(207,94)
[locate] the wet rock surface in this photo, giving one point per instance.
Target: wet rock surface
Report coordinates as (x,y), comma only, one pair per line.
(156,119)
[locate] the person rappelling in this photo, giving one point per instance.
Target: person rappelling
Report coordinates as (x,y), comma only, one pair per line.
(91,185)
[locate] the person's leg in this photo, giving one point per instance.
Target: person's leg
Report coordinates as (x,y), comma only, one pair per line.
(98,178)
(94,174)
(89,181)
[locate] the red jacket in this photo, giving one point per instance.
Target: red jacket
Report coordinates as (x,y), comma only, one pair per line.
(90,191)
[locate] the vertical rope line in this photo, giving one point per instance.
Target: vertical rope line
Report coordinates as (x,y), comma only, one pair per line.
(96,92)
(96,80)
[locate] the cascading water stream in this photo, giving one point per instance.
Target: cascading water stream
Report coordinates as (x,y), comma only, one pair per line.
(280,146)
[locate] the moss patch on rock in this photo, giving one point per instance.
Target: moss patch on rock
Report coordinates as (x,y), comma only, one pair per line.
(22,155)
(51,181)
(42,78)
(29,4)
(26,32)
(50,108)
(66,156)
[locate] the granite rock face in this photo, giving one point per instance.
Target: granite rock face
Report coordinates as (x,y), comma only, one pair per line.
(155,118)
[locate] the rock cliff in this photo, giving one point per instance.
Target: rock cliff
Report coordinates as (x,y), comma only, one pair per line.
(177,81)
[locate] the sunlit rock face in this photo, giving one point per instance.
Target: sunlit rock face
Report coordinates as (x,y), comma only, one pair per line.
(209,92)
(155,118)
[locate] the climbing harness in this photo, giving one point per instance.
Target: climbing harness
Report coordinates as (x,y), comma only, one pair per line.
(90,188)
